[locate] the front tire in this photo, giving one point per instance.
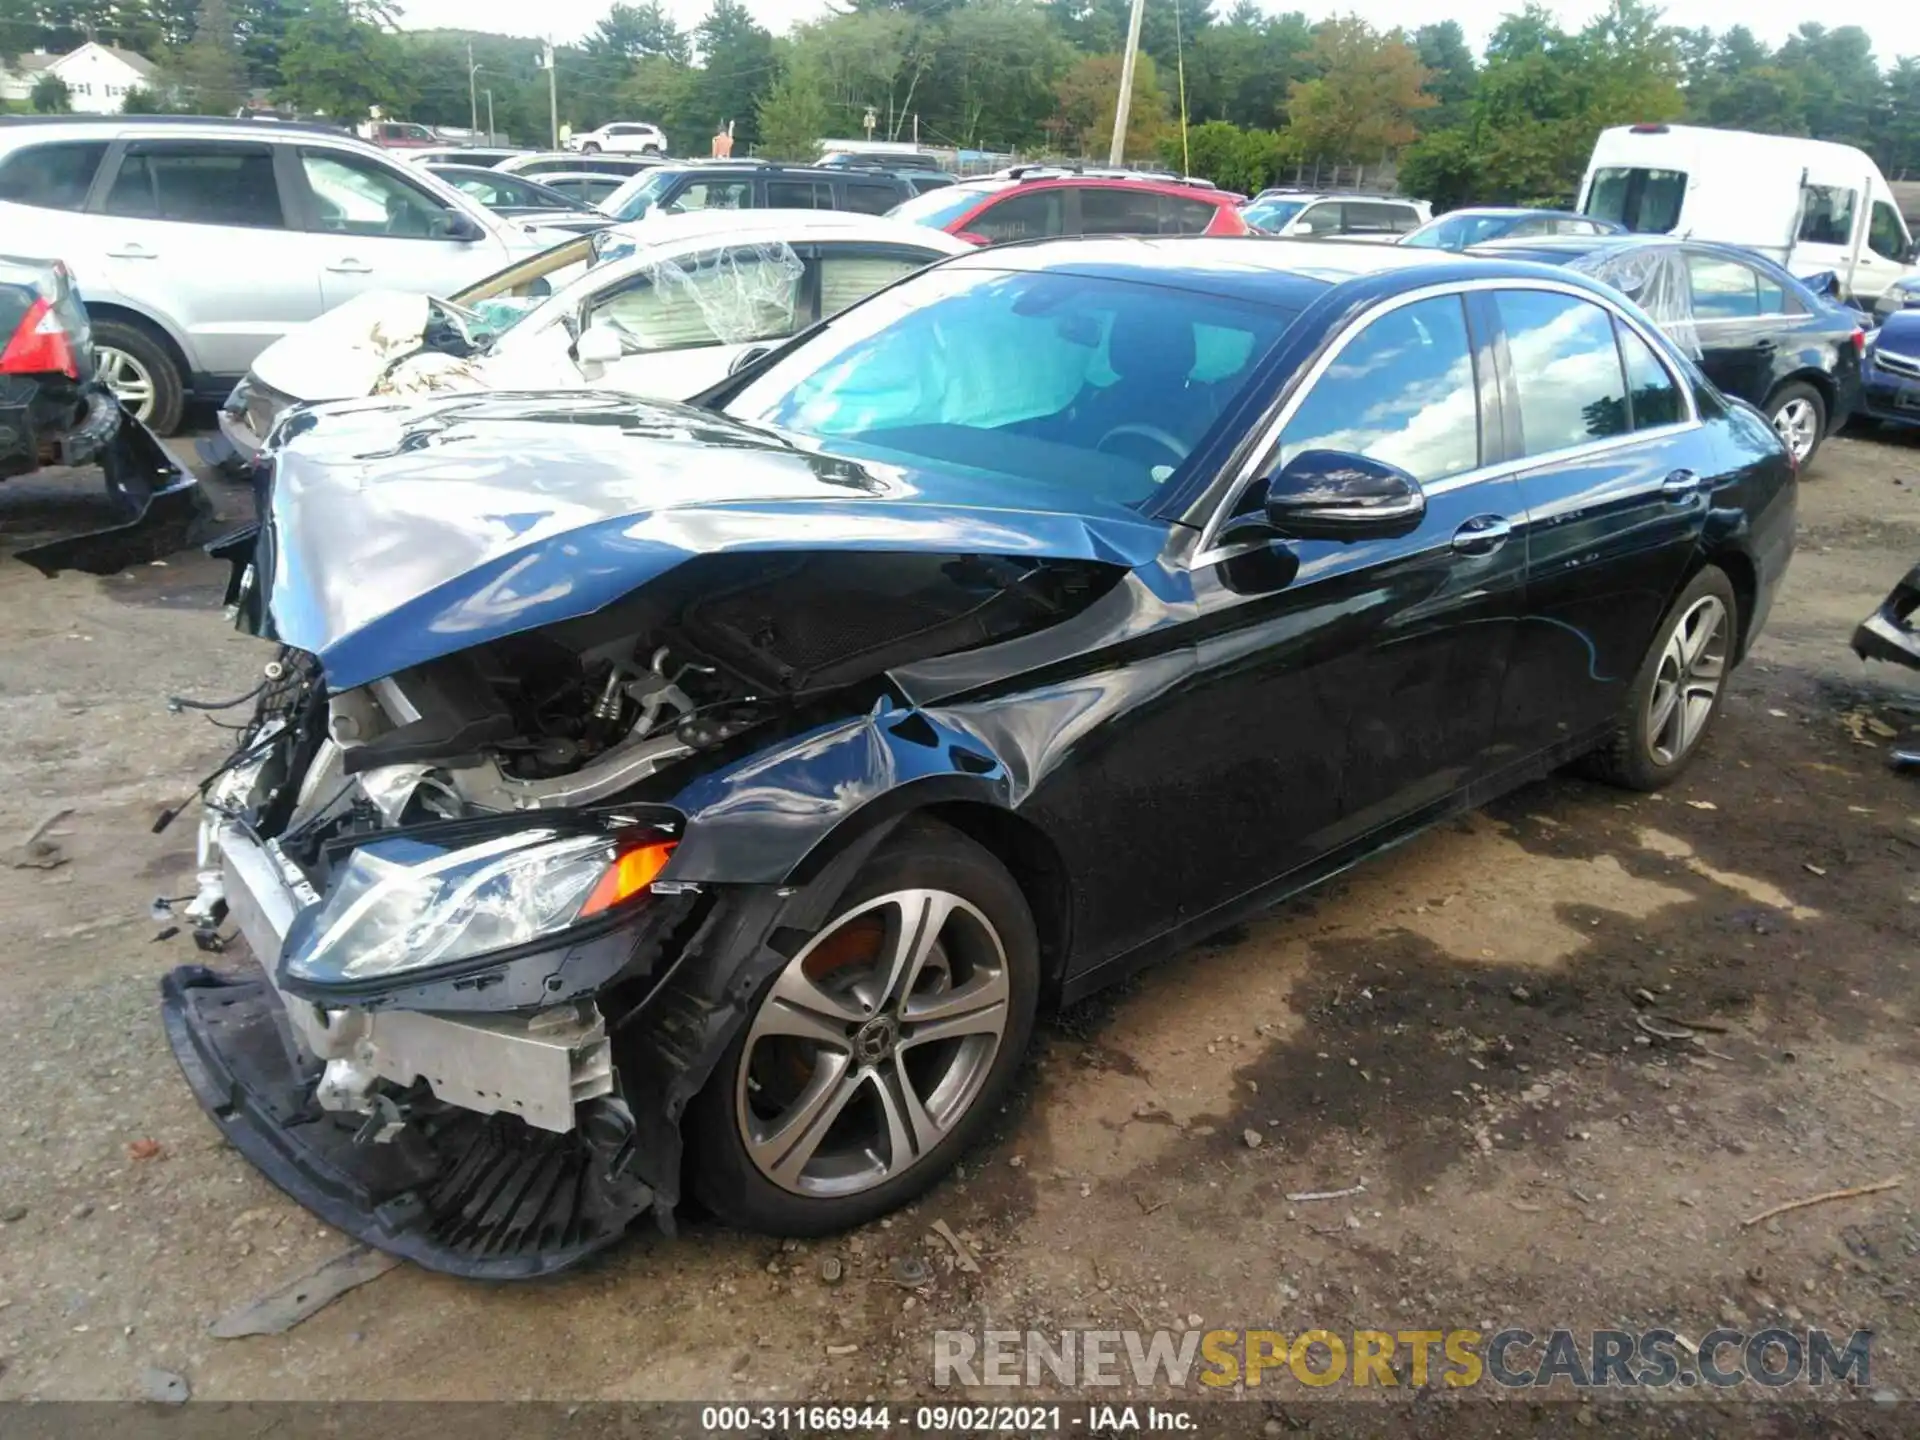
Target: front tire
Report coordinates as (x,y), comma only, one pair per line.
(1798,413)
(141,373)
(1676,695)
(874,1057)
(590,148)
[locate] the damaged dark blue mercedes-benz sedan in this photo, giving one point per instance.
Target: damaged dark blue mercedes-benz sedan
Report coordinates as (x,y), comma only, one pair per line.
(648,797)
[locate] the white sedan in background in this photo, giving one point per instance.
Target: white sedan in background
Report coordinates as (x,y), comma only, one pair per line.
(662,309)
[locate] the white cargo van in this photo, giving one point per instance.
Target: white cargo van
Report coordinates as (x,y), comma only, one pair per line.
(1810,204)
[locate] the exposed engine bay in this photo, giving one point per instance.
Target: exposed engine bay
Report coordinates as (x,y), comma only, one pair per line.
(590,710)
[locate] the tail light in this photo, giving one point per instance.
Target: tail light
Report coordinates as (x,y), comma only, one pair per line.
(40,346)
(1228,221)
(1859,343)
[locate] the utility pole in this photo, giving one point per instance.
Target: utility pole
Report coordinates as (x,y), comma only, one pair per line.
(553,94)
(473,101)
(492,133)
(1117,152)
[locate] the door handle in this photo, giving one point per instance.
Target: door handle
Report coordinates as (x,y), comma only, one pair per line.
(1482,535)
(350,266)
(132,252)
(1681,486)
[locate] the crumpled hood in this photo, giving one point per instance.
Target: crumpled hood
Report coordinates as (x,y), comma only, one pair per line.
(340,355)
(401,532)
(1900,334)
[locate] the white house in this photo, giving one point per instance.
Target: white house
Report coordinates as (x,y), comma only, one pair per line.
(98,76)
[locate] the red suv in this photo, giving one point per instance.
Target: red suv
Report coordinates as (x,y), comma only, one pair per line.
(1035,202)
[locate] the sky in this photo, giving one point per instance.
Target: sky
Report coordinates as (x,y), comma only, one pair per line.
(1893,24)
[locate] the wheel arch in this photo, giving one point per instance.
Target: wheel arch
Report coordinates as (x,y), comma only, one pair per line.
(1815,379)
(157,330)
(1744,576)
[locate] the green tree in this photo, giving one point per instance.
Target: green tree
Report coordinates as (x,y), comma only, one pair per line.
(991,81)
(339,64)
(207,74)
(737,66)
(1361,107)
(1239,69)
(50,95)
(1442,167)
(1452,72)
(1234,159)
(793,115)
(142,101)
(1088,93)
(1841,82)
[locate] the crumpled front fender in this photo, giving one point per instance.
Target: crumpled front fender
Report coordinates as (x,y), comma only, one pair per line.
(1888,634)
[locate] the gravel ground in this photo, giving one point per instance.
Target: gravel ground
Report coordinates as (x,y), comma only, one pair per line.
(1455,1024)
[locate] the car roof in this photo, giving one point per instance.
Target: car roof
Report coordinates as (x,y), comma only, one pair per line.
(1046,179)
(90,126)
(1259,269)
(758,227)
(1561,249)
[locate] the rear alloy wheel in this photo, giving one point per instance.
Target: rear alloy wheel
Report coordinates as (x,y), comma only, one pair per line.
(1799,418)
(875,1054)
(1678,691)
(141,374)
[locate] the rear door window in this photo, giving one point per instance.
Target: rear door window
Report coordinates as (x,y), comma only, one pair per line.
(1727,290)
(1566,368)
(1030,216)
(1377,217)
(1651,389)
(799,195)
(53,177)
(867,198)
(1401,391)
(1826,214)
(198,183)
(1644,200)
(849,273)
(1119,210)
(1185,217)
(728,297)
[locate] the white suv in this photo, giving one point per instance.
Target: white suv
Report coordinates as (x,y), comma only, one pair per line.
(196,243)
(620,139)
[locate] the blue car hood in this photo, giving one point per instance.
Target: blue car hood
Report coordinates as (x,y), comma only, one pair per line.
(399,532)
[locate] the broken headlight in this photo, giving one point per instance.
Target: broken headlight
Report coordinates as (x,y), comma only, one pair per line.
(404,904)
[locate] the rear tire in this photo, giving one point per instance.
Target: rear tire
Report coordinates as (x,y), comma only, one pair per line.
(1798,413)
(141,372)
(1676,695)
(867,1042)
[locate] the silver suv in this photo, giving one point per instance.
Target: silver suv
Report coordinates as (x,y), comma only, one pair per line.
(196,243)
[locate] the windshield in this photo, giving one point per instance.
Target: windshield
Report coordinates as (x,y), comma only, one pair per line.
(1099,387)
(1457,231)
(1271,214)
(937,208)
(1646,201)
(636,197)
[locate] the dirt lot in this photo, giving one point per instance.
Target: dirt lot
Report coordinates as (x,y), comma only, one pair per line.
(1455,1024)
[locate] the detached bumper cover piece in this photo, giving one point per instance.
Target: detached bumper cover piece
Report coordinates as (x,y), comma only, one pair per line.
(1888,633)
(164,507)
(479,1196)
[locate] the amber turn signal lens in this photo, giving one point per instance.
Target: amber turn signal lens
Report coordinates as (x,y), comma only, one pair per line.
(630,874)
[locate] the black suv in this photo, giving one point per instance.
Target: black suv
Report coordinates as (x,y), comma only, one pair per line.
(754,185)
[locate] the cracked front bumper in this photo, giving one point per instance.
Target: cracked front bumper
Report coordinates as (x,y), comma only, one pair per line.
(479,1196)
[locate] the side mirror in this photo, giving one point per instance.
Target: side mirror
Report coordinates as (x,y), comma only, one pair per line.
(752,355)
(598,347)
(1334,495)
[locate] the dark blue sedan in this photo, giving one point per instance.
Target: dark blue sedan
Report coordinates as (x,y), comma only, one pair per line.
(742,777)
(1890,371)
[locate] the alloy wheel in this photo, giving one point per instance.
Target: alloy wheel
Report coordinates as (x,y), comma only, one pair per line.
(1692,667)
(1797,423)
(873,1043)
(129,380)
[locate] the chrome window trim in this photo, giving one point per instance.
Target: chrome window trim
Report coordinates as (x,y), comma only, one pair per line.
(1210,551)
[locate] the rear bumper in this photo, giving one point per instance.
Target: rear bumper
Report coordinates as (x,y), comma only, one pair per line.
(164,508)
(1888,634)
